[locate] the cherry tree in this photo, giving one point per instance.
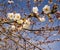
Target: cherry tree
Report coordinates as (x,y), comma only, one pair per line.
(29,24)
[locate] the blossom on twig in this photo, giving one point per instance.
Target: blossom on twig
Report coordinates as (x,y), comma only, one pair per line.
(10,16)
(35,9)
(46,9)
(13,16)
(26,23)
(13,27)
(17,16)
(41,19)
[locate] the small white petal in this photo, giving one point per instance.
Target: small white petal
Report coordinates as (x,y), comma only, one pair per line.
(35,9)
(20,21)
(10,15)
(42,19)
(13,27)
(10,1)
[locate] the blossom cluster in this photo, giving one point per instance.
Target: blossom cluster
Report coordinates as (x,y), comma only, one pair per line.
(25,22)
(17,18)
(46,10)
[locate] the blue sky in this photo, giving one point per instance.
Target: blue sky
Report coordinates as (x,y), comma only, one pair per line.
(20,5)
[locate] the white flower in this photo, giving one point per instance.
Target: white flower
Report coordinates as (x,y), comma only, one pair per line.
(46,9)
(10,15)
(27,21)
(26,24)
(35,9)
(13,16)
(42,19)
(10,1)
(13,27)
(17,16)
(20,21)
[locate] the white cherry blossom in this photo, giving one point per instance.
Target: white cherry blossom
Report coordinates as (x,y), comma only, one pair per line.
(35,9)
(17,16)
(46,9)
(42,19)
(10,16)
